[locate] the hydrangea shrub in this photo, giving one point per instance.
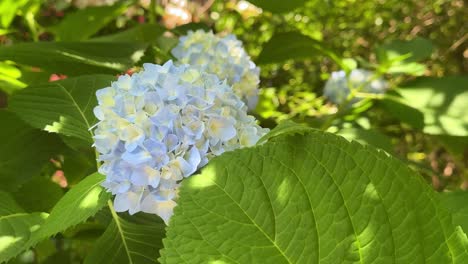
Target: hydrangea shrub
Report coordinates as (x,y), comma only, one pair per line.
(159,126)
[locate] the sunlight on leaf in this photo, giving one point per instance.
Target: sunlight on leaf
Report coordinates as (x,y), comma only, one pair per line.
(91,199)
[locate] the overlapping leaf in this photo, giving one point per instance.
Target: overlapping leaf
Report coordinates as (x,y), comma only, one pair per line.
(76,58)
(64,107)
(71,27)
(313,198)
(136,239)
(443,102)
(15,226)
(24,150)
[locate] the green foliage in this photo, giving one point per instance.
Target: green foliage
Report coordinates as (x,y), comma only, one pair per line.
(76,206)
(9,205)
(76,58)
(8,9)
(9,76)
(442,102)
(300,195)
(15,227)
(370,137)
(15,230)
(278,6)
(417,49)
(24,151)
(310,199)
(141,33)
(64,107)
(290,45)
(39,194)
(455,202)
(135,239)
(284,128)
(72,28)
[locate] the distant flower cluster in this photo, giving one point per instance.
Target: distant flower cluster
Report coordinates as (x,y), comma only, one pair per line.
(223,56)
(159,126)
(337,87)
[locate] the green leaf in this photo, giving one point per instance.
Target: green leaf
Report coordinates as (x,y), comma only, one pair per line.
(9,78)
(24,151)
(443,102)
(313,198)
(291,45)
(15,230)
(412,68)
(368,136)
(142,33)
(8,9)
(64,107)
(39,194)
(284,128)
(278,6)
(76,58)
(76,206)
(86,22)
(399,109)
(136,239)
(8,205)
(418,49)
(456,203)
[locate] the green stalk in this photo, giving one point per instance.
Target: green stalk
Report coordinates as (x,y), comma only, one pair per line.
(152,12)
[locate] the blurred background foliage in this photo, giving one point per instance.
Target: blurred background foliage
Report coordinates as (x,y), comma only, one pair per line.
(419,46)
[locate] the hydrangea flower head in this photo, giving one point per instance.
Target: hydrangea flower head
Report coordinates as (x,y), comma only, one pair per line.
(223,56)
(159,126)
(337,88)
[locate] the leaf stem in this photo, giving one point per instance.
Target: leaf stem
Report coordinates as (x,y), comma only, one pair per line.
(152,12)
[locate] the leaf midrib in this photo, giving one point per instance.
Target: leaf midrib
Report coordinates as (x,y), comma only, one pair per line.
(119,227)
(77,107)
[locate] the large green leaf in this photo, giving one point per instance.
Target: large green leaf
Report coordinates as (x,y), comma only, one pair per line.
(136,239)
(443,102)
(292,45)
(20,231)
(76,206)
(64,107)
(15,232)
(23,151)
(278,6)
(76,58)
(313,198)
(86,22)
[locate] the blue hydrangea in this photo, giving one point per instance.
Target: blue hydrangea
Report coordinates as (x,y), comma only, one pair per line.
(337,88)
(161,125)
(223,56)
